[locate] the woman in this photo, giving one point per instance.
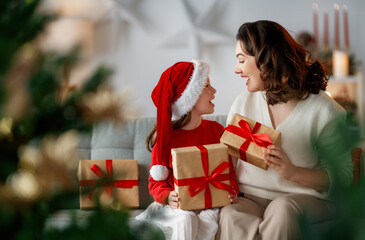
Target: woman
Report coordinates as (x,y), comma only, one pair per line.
(286,92)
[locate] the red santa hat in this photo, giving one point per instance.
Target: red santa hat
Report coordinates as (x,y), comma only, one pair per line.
(174,96)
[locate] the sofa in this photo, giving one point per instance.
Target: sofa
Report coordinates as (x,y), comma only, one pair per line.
(127,141)
(122,141)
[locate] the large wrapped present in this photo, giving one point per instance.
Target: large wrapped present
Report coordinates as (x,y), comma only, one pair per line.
(202,175)
(108,179)
(246,139)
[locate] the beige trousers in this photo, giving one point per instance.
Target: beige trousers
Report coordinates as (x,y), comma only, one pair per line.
(258,218)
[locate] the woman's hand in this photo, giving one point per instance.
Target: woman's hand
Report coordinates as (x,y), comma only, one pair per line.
(277,159)
(173,200)
(233,198)
(316,179)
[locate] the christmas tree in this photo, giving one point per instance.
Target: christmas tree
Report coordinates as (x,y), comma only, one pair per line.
(41,120)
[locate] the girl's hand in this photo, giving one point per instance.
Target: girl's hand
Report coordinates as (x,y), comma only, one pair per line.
(233,198)
(173,200)
(277,159)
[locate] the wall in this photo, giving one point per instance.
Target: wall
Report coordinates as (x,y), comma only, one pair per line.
(146,45)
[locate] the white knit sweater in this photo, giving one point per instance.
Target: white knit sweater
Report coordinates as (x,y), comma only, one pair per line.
(302,133)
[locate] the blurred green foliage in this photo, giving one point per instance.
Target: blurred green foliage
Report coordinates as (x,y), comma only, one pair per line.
(348,200)
(20,24)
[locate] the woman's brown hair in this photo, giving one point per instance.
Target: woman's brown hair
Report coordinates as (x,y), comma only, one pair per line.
(286,71)
(151,138)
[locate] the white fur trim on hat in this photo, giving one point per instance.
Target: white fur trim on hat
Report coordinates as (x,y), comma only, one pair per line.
(159,172)
(191,94)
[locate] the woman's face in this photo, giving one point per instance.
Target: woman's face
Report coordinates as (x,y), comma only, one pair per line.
(204,104)
(246,67)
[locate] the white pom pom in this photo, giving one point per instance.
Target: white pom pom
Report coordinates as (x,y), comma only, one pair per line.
(159,172)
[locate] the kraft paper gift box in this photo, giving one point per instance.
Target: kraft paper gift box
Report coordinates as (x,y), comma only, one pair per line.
(202,176)
(108,178)
(246,139)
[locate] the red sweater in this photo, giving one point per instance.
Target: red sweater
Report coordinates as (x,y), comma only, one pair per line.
(209,132)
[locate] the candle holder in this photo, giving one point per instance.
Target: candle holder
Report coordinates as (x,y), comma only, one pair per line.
(338,63)
(327,58)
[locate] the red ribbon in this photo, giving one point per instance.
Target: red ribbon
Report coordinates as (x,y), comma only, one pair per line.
(109,183)
(244,131)
(215,178)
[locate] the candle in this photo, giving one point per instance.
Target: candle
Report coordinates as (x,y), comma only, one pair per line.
(346,27)
(325,38)
(340,63)
(337,26)
(315,24)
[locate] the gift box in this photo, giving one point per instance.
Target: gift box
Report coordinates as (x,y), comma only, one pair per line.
(117,179)
(246,139)
(202,176)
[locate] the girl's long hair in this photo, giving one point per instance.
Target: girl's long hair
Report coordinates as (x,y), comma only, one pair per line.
(151,137)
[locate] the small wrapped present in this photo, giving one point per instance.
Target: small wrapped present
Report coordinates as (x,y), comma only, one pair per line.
(202,176)
(108,178)
(246,140)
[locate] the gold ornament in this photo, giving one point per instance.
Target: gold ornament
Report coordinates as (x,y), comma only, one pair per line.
(25,185)
(103,104)
(29,158)
(6,125)
(16,81)
(62,150)
(67,88)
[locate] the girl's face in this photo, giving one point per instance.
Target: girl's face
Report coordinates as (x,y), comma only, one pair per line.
(246,67)
(204,104)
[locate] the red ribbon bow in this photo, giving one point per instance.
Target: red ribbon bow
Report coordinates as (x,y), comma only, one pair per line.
(215,178)
(110,182)
(244,131)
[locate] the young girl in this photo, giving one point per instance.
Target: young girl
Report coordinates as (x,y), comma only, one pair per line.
(183,94)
